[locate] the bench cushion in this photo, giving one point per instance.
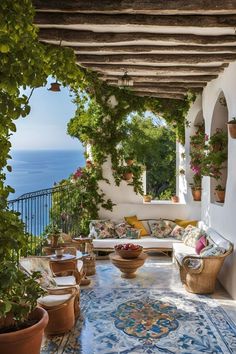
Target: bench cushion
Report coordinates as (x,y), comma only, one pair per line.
(146,242)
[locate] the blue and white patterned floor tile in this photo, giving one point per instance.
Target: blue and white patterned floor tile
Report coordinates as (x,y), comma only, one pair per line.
(121,316)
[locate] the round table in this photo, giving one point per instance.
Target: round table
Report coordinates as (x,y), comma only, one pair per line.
(128,267)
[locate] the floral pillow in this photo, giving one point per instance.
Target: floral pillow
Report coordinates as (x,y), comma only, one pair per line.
(102,229)
(161,228)
(133,233)
(192,235)
(212,250)
(121,229)
(178,232)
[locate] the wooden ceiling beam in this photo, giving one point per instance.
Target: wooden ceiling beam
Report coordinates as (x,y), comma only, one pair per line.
(171,96)
(140,70)
(57,18)
(182,85)
(140,6)
(202,80)
(124,49)
(149,59)
(82,36)
(164,89)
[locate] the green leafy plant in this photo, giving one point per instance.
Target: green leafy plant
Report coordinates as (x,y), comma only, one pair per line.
(220,188)
(197,156)
(18,292)
(80,199)
(232,121)
(216,153)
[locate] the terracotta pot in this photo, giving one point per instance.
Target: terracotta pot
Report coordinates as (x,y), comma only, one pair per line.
(232,130)
(147,198)
(220,196)
(127,176)
(129,162)
(175,199)
(54,241)
(197,194)
(26,340)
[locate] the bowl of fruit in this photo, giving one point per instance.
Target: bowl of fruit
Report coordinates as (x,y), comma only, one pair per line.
(128,250)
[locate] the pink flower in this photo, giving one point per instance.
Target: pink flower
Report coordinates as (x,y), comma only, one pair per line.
(78,173)
(196,169)
(206,137)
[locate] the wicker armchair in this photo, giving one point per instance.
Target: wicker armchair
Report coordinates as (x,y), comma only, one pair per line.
(201,278)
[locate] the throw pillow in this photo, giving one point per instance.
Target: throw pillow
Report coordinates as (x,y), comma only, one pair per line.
(133,233)
(200,244)
(161,228)
(121,229)
(102,229)
(191,235)
(185,223)
(177,232)
(212,251)
(137,224)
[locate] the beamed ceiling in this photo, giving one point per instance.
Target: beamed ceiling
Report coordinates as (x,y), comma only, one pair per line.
(168,47)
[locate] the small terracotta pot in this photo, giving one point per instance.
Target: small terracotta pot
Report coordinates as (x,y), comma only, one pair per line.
(127,176)
(147,198)
(129,162)
(232,130)
(220,196)
(175,199)
(27,340)
(54,241)
(197,194)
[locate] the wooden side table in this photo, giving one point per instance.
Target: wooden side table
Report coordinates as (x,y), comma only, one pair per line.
(128,267)
(85,244)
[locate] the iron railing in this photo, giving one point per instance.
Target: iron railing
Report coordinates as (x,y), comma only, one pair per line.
(35,210)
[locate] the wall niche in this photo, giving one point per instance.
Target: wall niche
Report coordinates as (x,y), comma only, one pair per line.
(219,125)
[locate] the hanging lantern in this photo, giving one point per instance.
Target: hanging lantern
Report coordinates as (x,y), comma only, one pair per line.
(55,87)
(125,80)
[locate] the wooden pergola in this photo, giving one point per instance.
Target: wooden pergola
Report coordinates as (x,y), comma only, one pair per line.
(167,47)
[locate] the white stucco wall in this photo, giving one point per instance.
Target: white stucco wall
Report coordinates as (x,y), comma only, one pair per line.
(128,203)
(222,217)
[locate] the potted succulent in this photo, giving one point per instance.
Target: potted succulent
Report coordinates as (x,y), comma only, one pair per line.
(21,322)
(232,127)
(220,193)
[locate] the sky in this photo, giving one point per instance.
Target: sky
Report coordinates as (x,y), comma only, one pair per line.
(46,125)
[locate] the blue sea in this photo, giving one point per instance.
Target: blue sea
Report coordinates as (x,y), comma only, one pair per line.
(33,170)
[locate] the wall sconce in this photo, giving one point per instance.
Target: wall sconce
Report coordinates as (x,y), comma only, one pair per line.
(125,80)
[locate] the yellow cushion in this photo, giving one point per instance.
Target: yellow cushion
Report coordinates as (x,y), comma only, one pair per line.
(185,223)
(137,224)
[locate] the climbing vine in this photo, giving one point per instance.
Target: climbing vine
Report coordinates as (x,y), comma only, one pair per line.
(101,117)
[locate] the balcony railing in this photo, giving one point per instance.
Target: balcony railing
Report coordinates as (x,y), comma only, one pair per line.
(35,210)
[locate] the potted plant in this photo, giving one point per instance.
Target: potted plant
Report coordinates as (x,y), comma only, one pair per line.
(21,322)
(129,160)
(127,173)
(220,193)
(175,199)
(53,234)
(196,187)
(232,127)
(147,198)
